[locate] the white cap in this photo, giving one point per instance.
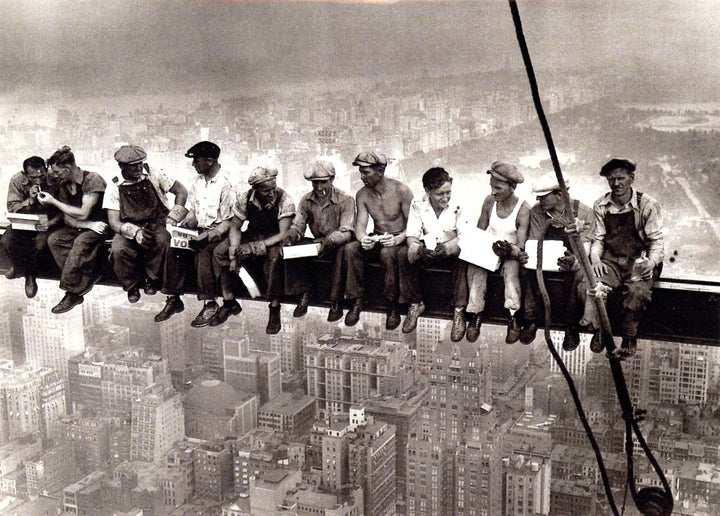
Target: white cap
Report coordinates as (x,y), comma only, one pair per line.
(547,183)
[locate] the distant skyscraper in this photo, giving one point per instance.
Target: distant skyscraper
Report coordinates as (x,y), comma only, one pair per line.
(157,424)
(478,475)
(430,479)
(252,371)
(527,485)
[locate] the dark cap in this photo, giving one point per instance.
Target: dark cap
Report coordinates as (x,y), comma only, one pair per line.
(505,171)
(614,163)
(130,155)
(370,159)
(203,150)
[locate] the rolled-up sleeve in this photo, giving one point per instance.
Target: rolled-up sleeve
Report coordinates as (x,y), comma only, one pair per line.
(414,224)
(226,209)
(16,194)
(653,229)
(347,215)
(598,235)
(239,210)
(302,217)
(287,207)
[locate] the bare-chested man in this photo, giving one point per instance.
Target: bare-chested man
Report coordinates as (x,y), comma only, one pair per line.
(387,201)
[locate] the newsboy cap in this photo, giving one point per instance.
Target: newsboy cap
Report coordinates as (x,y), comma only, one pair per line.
(547,183)
(505,171)
(370,159)
(320,171)
(203,149)
(614,163)
(262,174)
(130,155)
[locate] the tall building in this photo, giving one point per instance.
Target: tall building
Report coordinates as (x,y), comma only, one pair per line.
(212,468)
(576,360)
(157,424)
(478,476)
(343,370)
(50,340)
(430,479)
(90,438)
(429,334)
(526,485)
(288,414)
(252,371)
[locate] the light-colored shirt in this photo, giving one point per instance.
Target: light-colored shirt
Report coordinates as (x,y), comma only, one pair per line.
(158,178)
(286,205)
(211,201)
(648,222)
(337,213)
(422,221)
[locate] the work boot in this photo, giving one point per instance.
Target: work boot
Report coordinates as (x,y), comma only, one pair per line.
(302,306)
(528,332)
(473,328)
(411,319)
(67,303)
(31,287)
(353,316)
(597,343)
(150,287)
(628,346)
(173,305)
(335,313)
(392,320)
(572,339)
(513,330)
(206,314)
(274,324)
(228,308)
(133,294)
(12,273)
(458,325)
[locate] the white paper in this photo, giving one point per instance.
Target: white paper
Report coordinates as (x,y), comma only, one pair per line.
(300,251)
(27,221)
(249,283)
(476,248)
(430,241)
(552,250)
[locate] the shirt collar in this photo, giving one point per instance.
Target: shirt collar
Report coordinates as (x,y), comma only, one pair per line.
(425,205)
(123,181)
(633,202)
(333,198)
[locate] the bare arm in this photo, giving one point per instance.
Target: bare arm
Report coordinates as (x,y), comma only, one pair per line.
(522,224)
(484,219)
(81,213)
(362,217)
(180,193)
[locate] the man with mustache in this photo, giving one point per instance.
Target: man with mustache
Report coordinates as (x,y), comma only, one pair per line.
(627,249)
(387,201)
(330,215)
(209,205)
(138,209)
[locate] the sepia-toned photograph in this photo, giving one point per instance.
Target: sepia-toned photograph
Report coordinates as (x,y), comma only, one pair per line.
(360,257)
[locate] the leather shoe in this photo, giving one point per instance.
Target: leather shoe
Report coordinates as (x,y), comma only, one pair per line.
(134,295)
(572,339)
(392,320)
(528,332)
(31,287)
(413,313)
(473,329)
(302,306)
(335,313)
(597,344)
(173,305)
(513,330)
(458,326)
(67,303)
(274,324)
(12,273)
(353,316)
(228,308)
(628,346)
(205,315)
(150,288)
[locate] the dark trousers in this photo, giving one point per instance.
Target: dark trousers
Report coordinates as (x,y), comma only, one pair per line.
(23,249)
(174,276)
(132,262)
(573,292)
(76,253)
(409,275)
(267,271)
(297,273)
(356,256)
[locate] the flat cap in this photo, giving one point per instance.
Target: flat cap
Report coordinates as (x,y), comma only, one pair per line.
(505,171)
(370,159)
(320,171)
(203,150)
(130,155)
(262,174)
(547,183)
(614,163)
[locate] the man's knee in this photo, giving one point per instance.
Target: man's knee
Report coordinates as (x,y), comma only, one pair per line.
(389,255)
(352,249)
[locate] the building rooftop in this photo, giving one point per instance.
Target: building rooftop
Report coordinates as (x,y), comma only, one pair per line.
(287,404)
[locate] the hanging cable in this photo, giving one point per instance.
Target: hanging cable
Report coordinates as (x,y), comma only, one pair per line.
(651,501)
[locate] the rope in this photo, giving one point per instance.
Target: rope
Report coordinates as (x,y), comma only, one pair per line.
(631,422)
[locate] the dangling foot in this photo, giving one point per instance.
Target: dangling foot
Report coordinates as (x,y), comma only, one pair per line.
(274,324)
(459,325)
(302,306)
(528,332)
(228,308)
(173,305)
(392,321)
(473,329)
(67,303)
(513,330)
(353,316)
(31,287)
(133,294)
(411,319)
(208,311)
(335,313)
(572,339)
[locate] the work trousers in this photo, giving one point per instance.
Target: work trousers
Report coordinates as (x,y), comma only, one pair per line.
(132,262)
(23,249)
(297,273)
(76,253)
(573,292)
(356,257)
(409,274)
(267,271)
(206,275)
(477,286)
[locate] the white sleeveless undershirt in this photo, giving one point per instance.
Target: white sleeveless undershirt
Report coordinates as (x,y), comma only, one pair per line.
(504,229)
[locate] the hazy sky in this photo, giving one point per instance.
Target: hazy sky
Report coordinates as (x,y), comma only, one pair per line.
(102,47)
